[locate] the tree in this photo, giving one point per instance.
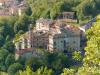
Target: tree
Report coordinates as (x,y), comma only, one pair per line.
(40,71)
(9,46)
(77,55)
(2,40)
(91,60)
(14,68)
(68,72)
(35,62)
(9,60)
(22,23)
(57,61)
(3,73)
(85,9)
(93,45)
(3,54)
(28,11)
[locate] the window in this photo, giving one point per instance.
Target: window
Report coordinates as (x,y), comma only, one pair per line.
(64,43)
(54,43)
(25,41)
(74,42)
(20,45)
(61,41)
(41,32)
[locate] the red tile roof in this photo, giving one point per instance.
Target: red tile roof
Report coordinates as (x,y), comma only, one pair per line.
(69,27)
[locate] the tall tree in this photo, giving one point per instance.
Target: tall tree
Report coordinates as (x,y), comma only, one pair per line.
(91,64)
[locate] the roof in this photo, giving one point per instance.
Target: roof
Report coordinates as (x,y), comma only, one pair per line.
(68,13)
(44,21)
(72,28)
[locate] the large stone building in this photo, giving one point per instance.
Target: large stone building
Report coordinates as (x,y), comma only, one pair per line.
(49,35)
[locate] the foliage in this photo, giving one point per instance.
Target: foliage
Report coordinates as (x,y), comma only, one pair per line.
(35,62)
(14,68)
(22,23)
(3,55)
(9,60)
(9,46)
(91,60)
(68,72)
(93,45)
(77,55)
(40,71)
(3,73)
(51,8)
(86,70)
(1,40)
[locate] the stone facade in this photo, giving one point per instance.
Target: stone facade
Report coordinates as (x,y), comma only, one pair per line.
(49,35)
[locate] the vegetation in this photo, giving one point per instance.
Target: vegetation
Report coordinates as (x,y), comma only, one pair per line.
(91,60)
(49,9)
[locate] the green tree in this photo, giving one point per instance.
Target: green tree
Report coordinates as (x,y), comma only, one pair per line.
(9,46)
(9,60)
(91,64)
(22,23)
(86,8)
(93,43)
(14,68)
(3,73)
(40,71)
(3,55)
(2,40)
(68,72)
(77,56)
(28,11)
(35,62)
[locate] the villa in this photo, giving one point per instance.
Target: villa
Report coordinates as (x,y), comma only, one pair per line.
(50,35)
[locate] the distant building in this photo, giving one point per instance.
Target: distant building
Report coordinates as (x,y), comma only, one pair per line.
(11,7)
(49,35)
(68,17)
(6,3)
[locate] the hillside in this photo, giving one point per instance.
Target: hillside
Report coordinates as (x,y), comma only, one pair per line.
(85,9)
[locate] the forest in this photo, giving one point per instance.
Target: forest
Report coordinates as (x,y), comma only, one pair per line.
(56,63)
